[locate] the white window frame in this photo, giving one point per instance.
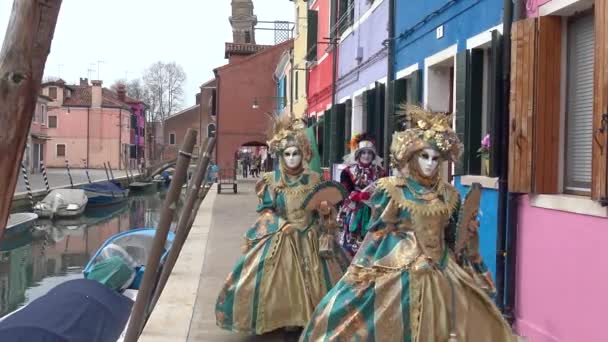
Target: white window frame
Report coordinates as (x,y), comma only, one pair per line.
(576,204)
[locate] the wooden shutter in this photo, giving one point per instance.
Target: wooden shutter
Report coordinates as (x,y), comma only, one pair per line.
(548,95)
(348,122)
(535,105)
(313,27)
(521,105)
(495,106)
(599,182)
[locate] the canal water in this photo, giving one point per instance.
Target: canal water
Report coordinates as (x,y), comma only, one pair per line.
(35,261)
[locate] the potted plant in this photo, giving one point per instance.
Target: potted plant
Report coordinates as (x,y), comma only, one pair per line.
(484,153)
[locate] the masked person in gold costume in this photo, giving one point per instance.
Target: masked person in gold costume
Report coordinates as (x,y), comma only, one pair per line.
(418,275)
(285,269)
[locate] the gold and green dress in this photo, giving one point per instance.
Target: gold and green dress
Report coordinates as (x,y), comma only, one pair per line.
(405,284)
(281,277)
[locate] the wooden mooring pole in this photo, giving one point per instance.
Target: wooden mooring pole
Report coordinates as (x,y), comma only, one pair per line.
(160,238)
(45,177)
(26,46)
(67,167)
(185,222)
(26,180)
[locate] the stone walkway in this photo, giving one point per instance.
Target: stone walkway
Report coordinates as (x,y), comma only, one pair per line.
(58,178)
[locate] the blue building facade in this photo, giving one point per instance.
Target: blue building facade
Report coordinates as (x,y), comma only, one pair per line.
(447,59)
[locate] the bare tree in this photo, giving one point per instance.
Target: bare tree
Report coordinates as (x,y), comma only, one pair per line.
(163,89)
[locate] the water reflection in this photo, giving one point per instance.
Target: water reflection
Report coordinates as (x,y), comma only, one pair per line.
(35,261)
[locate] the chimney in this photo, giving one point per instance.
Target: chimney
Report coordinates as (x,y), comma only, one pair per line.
(84,82)
(198,98)
(96,94)
(122,92)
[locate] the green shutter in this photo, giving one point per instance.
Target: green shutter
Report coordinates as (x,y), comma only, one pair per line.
(414,88)
(348,122)
(462,63)
(313,27)
(379,116)
(469,85)
(400,87)
(474,111)
(326,137)
(370,106)
(496,103)
(337,141)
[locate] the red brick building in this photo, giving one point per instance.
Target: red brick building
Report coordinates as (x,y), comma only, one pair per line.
(246,80)
(200,117)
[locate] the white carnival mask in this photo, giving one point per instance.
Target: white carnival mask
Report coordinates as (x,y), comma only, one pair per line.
(428,161)
(366,157)
(292,156)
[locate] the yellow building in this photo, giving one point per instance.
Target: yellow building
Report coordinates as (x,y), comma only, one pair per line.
(299,57)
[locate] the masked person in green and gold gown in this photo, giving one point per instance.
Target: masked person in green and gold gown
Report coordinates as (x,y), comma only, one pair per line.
(410,280)
(284,271)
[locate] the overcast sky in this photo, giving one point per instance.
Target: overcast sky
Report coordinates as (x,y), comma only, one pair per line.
(129,35)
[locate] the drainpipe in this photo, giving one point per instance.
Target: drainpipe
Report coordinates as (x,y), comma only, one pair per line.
(291,82)
(503,181)
(333,37)
(119,136)
(88,135)
(389,98)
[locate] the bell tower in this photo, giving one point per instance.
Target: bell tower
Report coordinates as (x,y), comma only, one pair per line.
(243,22)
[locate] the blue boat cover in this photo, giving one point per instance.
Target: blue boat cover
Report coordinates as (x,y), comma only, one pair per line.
(74,311)
(104,187)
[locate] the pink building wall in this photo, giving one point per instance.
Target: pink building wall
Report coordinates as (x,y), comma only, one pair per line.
(533,5)
(103,139)
(562,276)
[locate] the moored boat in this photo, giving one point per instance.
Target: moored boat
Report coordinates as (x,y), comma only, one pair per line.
(131,249)
(20,222)
(105,193)
(62,203)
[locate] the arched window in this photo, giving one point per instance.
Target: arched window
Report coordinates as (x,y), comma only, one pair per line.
(211,130)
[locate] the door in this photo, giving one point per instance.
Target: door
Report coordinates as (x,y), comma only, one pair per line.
(36,158)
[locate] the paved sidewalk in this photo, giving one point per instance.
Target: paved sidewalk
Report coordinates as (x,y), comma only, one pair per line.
(232,215)
(59,178)
(186,310)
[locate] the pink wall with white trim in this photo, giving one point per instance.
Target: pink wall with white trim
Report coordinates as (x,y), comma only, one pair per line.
(562,276)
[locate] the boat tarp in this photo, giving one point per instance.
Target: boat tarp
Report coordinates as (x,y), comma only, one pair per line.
(113,272)
(74,311)
(104,188)
(65,197)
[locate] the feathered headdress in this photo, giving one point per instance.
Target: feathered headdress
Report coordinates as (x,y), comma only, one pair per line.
(428,130)
(288,131)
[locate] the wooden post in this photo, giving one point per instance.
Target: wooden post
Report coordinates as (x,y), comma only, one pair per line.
(110,168)
(160,238)
(107,174)
(26,46)
(185,221)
